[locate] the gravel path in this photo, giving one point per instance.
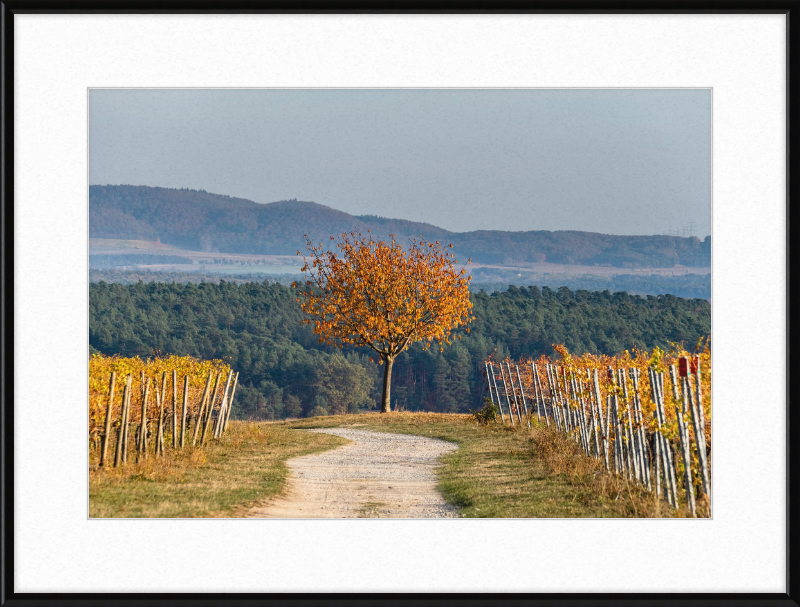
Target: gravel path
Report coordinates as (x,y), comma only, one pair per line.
(377,475)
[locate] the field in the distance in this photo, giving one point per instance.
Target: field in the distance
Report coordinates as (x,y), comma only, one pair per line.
(498,471)
(109,246)
(290,264)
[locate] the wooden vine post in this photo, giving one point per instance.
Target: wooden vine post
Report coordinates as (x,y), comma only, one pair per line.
(107,430)
(505,391)
(699,433)
(603,426)
(632,460)
(698,388)
(658,449)
(522,393)
(663,459)
(230,402)
(613,409)
(143,422)
(643,450)
(489,382)
(126,426)
(537,392)
(201,409)
(126,397)
(210,409)
(564,412)
(657,416)
(589,425)
(226,401)
(685,448)
(579,414)
(670,454)
(555,399)
(513,391)
(587,428)
(593,404)
(159,442)
(183,414)
(499,404)
(161,421)
(223,408)
(174,408)
(553,404)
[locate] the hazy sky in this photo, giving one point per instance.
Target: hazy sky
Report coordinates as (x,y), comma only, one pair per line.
(612,161)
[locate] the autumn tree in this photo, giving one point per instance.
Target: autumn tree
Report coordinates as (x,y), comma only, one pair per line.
(379,295)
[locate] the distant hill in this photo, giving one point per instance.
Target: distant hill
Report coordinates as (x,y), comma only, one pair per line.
(197,220)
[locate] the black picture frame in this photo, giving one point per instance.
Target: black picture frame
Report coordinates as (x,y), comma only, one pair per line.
(9,8)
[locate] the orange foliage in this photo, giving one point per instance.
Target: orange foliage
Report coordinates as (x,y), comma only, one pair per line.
(378,295)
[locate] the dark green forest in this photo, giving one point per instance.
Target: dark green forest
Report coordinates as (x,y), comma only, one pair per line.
(284,371)
(201,221)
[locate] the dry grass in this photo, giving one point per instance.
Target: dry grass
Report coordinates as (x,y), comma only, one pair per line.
(219,480)
(564,457)
(500,471)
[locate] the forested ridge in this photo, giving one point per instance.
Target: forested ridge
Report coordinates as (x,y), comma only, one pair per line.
(689,286)
(285,371)
(198,220)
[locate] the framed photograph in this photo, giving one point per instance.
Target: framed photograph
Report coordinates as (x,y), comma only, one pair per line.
(169,178)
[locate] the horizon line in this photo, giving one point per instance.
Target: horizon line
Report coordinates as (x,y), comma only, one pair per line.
(701,238)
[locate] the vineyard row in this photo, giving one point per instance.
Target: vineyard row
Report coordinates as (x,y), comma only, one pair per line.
(146,413)
(658,438)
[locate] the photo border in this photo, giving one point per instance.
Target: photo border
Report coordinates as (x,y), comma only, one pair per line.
(7,594)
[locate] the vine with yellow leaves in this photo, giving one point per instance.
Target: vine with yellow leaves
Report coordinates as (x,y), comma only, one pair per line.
(163,401)
(646,415)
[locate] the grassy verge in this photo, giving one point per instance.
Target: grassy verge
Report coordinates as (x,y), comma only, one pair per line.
(221,479)
(500,471)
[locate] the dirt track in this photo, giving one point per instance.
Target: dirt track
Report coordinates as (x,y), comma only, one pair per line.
(377,475)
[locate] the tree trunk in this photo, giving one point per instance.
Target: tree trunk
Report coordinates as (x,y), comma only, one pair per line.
(387,384)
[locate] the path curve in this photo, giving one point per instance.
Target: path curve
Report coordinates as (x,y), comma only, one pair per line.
(377,475)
